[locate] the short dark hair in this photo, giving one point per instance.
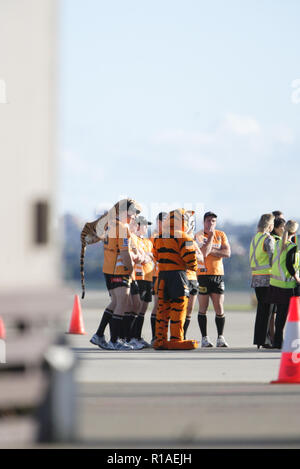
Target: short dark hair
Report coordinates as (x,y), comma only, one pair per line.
(210,214)
(277,213)
(278,222)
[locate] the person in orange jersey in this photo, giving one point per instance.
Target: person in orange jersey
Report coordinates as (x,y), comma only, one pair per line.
(117,269)
(134,304)
(214,246)
(144,279)
(192,277)
(174,250)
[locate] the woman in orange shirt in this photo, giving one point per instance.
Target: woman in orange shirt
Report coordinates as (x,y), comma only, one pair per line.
(117,269)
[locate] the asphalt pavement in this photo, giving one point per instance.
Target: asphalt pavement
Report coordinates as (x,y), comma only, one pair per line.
(205,398)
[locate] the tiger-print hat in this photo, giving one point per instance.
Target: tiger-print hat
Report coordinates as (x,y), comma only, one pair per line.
(177,220)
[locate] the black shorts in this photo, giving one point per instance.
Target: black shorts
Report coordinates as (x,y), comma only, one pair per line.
(115,281)
(145,290)
(176,284)
(194,287)
(134,288)
(211,284)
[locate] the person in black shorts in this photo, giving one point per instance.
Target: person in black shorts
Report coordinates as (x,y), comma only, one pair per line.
(214,246)
(209,284)
(144,280)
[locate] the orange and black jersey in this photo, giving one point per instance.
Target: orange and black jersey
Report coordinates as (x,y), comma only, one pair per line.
(176,253)
(117,239)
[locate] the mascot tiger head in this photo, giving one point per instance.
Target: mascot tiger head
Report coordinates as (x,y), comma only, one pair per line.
(179,220)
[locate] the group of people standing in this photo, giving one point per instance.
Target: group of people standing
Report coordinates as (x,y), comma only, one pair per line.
(173,267)
(274,262)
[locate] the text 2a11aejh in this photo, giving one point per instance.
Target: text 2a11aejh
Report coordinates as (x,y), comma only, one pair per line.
(154,458)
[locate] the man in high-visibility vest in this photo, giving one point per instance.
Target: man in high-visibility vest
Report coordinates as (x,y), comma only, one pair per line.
(285,281)
(260,256)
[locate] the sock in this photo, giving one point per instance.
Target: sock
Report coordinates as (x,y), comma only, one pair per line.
(132,331)
(185,326)
(122,329)
(127,325)
(139,325)
(131,326)
(107,315)
(220,322)
(115,327)
(202,321)
(153,320)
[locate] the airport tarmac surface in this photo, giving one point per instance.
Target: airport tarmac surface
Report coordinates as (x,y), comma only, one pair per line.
(210,398)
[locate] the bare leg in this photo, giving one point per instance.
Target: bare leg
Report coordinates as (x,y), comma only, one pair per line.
(190,307)
(153,316)
(121,297)
(203,301)
(218,303)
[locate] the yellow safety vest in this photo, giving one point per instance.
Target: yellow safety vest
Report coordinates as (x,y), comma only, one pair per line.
(280,276)
(259,258)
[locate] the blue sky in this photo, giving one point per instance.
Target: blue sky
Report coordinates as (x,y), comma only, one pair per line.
(178,103)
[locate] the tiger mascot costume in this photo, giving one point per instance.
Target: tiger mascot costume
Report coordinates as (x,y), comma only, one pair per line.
(175,252)
(94,231)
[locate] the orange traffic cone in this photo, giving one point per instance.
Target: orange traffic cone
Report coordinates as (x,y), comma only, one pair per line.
(289,371)
(2,330)
(76,324)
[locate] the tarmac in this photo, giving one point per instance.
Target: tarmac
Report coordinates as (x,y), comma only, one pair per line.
(204,398)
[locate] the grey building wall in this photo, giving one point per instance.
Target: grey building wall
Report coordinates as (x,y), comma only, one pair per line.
(28,235)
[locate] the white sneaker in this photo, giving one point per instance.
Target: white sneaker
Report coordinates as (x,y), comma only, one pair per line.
(221,342)
(122,345)
(119,345)
(135,344)
(205,342)
(144,343)
(111,345)
(100,341)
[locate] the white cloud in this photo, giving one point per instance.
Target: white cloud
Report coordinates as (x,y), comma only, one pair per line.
(180,136)
(283,135)
(295,98)
(232,125)
(237,141)
(199,162)
(73,164)
(241,125)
